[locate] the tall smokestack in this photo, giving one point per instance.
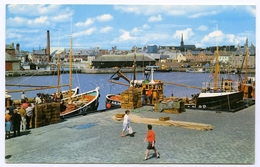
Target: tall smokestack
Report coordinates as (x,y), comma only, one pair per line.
(48,43)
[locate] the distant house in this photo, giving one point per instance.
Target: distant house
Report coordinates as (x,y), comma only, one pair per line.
(180,58)
(10,49)
(164,58)
(12,63)
(199,56)
(238,60)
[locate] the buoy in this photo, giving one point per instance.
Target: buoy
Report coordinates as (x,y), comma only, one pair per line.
(108,105)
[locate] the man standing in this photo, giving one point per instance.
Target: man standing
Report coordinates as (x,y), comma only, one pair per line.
(23,118)
(29,111)
(11,109)
(16,120)
(23,97)
(149,95)
(7,124)
(38,99)
(150,137)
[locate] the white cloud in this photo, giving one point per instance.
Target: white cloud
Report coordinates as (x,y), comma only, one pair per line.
(176,12)
(61,18)
(219,38)
(106,29)
(146,26)
(21,21)
(125,36)
(197,15)
(104,17)
(251,10)
(128,8)
(88,22)
(40,20)
(155,18)
(213,36)
(186,34)
(84,33)
(33,9)
(202,28)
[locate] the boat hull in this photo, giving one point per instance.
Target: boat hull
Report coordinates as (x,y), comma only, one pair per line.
(112,103)
(90,106)
(224,101)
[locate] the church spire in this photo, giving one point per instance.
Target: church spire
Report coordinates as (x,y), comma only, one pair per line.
(182,43)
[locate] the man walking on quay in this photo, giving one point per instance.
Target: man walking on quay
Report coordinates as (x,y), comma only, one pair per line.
(150,137)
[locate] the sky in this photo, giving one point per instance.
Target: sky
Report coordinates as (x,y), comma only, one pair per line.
(127,25)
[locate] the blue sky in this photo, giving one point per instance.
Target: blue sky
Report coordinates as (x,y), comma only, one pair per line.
(126,25)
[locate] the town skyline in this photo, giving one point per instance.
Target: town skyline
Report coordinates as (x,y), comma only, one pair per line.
(125,26)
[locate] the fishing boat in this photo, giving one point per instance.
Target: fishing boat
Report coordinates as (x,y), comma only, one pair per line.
(113,101)
(224,96)
(248,83)
(81,103)
(156,88)
(161,68)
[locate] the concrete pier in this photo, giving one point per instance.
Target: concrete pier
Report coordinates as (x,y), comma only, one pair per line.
(96,139)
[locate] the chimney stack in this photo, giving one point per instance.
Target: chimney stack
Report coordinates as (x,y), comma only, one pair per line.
(48,43)
(18,47)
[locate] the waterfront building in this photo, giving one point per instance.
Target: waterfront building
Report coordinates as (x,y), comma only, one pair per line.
(112,61)
(238,57)
(12,63)
(152,49)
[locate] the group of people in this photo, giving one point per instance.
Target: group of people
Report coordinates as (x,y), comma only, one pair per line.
(42,98)
(18,119)
(150,136)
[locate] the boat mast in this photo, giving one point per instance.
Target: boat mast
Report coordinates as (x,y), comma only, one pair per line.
(246,58)
(58,73)
(70,66)
(216,71)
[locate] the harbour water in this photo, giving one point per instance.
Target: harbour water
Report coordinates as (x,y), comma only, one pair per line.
(88,82)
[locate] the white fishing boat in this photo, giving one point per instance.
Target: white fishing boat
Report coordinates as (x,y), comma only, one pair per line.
(80,103)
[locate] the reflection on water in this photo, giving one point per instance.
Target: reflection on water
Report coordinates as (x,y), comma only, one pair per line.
(88,82)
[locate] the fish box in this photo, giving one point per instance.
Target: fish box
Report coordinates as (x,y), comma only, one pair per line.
(164,118)
(172,111)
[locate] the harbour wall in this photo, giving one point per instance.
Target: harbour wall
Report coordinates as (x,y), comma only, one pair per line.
(95,71)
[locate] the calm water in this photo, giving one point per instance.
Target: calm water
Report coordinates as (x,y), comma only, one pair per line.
(88,82)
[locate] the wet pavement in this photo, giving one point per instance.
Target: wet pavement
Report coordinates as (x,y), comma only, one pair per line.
(96,139)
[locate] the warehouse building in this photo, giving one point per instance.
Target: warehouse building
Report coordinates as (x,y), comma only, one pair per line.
(110,61)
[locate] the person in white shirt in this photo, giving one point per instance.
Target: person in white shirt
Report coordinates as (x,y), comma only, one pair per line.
(126,122)
(23,98)
(38,100)
(29,112)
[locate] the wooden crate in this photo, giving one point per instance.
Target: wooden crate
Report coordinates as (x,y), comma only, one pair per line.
(164,118)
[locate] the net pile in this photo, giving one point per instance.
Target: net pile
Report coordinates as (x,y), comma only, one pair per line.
(183,124)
